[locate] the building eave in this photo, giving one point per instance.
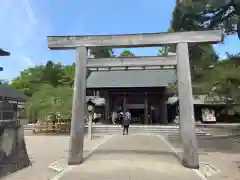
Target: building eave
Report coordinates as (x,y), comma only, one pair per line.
(4,53)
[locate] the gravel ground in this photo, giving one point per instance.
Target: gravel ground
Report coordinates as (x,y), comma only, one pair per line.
(223,153)
(43,151)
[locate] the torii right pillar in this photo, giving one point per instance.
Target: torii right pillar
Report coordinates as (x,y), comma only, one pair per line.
(190,157)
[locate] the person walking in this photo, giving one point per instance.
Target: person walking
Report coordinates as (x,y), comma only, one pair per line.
(126,120)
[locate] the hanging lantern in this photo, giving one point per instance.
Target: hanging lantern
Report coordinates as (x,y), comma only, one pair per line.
(90,106)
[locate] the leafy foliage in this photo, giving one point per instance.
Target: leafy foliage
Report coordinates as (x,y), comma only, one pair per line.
(50,100)
(209,75)
(127,53)
(50,87)
(207,14)
(100,52)
(223,80)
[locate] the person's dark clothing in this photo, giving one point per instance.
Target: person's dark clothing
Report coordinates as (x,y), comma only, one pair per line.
(121,119)
(126,122)
(125,129)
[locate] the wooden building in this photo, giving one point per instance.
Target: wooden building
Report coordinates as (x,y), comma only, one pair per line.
(10,101)
(143,93)
(224,113)
(3,53)
(12,144)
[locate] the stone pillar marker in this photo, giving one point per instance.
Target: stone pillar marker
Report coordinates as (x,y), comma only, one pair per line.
(90,118)
(145,108)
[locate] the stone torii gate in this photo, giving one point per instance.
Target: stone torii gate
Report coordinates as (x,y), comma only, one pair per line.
(180,61)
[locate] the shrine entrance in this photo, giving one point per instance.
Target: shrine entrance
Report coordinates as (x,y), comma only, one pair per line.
(180,61)
(146,105)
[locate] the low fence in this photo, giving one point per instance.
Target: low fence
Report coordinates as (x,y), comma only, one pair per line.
(49,127)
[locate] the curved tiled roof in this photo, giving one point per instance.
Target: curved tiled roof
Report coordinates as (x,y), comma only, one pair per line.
(11,93)
(4,53)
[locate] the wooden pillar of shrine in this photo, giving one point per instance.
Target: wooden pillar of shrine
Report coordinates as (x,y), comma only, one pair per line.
(107,106)
(146,108)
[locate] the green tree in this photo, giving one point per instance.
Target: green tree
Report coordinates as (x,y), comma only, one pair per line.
(201,56)
(67,78)
(50,100)
(207,14)
(101,52)
(217,78)
(164,50)
(29,80)
(223,80)
(52,73)
(127,53)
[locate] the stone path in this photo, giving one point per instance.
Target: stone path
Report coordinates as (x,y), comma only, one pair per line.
(135,157)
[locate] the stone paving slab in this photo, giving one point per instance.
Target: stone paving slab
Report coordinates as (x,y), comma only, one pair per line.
(135,157)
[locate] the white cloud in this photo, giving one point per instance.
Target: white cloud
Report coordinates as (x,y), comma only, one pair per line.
(29,11)
(18,22)
(21,33)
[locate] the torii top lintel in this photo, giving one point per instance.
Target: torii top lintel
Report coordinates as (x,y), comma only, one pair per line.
(134,40)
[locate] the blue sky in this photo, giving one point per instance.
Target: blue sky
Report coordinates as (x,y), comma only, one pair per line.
(25,25)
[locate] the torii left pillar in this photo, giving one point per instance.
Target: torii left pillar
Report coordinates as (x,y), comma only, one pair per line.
(78,108)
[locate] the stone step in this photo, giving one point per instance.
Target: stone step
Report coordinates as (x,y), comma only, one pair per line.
(170,130)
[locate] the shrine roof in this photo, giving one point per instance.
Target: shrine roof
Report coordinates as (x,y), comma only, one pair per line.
(11,93)
(4,53)
(131,78)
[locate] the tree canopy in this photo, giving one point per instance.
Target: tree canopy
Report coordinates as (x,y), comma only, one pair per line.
(127,53)
(207,14)
(209,74)
(49,87)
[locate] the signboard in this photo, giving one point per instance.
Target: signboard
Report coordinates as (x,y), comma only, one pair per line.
(208,115)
